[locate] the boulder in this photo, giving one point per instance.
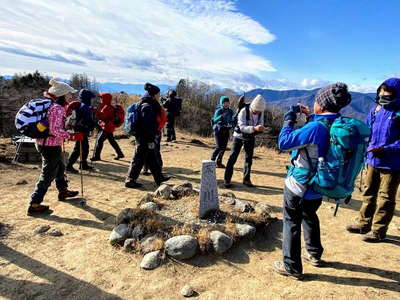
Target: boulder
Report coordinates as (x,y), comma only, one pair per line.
(138,232)
(125,216)
(187,291)
(128,245)
(181,246)
(151,260)
(55,232)
(164,191)
(263,209)
(21,182)
(245,230)
(41,229)
(221,242)
(243,206)
(149,206)
(119,234)
(182,190)
(149,197)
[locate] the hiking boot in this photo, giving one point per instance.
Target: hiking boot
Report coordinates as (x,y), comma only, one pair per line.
(71,169)
(133,184)
(279,268)
(163,179)
(374,237)
(35,208)
(119,156)
(248,183)
(86,167)
(65,193)
(221,166)
(312,260)
(227,184)
(357,229)
(95,159)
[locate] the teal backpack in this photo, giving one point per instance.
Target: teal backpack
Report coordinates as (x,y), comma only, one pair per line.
(336,173)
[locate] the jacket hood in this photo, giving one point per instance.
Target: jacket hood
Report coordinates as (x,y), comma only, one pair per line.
(394,83)
(106,98)
(222,99)
(86,96)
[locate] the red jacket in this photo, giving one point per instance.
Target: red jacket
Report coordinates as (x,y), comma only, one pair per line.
(161,119)
(106,113)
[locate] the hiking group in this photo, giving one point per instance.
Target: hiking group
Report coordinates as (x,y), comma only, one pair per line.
(327,153)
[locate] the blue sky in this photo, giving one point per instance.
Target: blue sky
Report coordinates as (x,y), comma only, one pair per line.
(240,44)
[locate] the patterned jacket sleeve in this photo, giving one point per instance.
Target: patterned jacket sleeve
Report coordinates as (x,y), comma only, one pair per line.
(57,122)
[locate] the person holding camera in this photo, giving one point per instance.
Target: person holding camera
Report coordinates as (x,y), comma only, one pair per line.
(301,202)
(222,124)
(148,129)
(250,122)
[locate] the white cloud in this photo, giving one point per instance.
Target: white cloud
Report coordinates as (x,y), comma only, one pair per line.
(134,40)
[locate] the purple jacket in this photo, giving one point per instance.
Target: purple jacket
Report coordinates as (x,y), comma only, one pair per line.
(385,126)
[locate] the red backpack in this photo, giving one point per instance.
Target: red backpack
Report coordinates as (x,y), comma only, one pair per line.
(119,115)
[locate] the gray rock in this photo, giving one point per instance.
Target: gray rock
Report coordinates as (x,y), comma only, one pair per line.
(242,206)
(151,243)
(182,190)
(119,234)
(150,206)
(125,216)
(147,198)
(128,245)
(263,209)
(245,230)
(187,291)
(55,232)
(41,229)
(221,242)
(151,260)
(181,246)
(227,200)
(229,195)
(138,232)
(164,191)
(22,182)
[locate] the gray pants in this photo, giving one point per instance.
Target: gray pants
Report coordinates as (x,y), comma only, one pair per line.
(53,168)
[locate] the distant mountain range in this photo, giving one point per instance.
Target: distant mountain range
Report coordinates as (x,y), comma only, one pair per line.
(137,89)
(358,108)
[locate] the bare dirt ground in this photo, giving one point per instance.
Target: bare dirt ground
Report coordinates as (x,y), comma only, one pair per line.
(82,265)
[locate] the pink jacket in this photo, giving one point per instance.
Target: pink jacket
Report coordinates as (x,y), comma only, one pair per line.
(56,117)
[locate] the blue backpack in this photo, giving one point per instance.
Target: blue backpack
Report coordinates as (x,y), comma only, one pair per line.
(132,119)
(337,171)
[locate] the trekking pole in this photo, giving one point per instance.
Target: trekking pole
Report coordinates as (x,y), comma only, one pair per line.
(337,207)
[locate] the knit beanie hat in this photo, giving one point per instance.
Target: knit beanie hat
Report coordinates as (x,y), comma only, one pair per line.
(258,104)
(59,88)
(333,97)
(151,89)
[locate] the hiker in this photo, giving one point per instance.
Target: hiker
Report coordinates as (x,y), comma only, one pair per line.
(250,122)
(382,165)
(84,124)
(173,107)
(106,115)
(147,130)
(50,149)
(161,121)
(222,124)
(300,201)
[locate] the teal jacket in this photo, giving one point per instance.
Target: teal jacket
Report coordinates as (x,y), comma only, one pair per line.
(223,117)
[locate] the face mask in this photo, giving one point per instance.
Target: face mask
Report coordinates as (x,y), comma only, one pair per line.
(384,100)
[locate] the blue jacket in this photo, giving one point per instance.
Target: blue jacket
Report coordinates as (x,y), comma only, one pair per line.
(385,127)
(223,117)
(312,138)
(86,122)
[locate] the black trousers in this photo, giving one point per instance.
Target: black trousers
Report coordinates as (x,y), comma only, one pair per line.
(237,145)
(101,137)
(144,154)
(77,151)
(221,141)
(52,169)
(297,213)
(171,136)
(158,153)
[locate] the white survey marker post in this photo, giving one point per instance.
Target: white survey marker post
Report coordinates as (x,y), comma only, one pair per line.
(208,188)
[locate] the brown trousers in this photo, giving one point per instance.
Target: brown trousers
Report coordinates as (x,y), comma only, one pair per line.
(379,199)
